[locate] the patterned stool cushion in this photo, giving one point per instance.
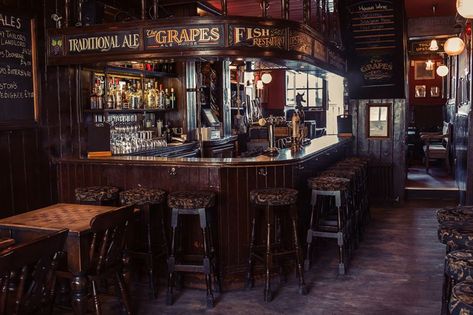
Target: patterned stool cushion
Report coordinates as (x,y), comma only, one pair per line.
(461,300)
(359,159)
(456,235)
(140,196)
(336,172)
(462,213)
(274,196)
(459,265)
(96,193)
(191,199)
(328,183)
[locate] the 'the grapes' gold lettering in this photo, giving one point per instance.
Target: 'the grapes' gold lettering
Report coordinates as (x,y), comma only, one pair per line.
(185,36)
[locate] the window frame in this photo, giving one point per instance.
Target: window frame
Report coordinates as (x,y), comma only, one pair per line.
(294,89)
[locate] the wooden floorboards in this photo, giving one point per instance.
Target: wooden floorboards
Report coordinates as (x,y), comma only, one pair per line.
(396,270)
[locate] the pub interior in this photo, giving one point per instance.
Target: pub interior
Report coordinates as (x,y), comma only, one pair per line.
(262,156)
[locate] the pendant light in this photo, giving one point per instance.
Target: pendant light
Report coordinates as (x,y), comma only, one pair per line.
(442,70)
(465,8)
(454,46)
(434,45)
(266,78)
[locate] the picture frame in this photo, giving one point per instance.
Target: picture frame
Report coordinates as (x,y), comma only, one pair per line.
(420,91)
(420,71)
(378,121)
(434,91)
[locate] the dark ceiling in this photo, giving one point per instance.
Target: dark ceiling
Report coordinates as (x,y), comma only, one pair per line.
(414,8)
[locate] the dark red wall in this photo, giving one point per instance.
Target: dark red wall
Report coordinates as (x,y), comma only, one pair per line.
(275,91)
(437,81)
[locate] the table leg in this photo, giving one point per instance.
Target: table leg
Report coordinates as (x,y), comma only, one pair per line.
(79,294)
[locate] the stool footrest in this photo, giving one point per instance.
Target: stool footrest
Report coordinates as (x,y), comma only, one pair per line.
(189,268)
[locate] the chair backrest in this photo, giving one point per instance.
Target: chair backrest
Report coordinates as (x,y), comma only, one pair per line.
(109,238)
(28,275)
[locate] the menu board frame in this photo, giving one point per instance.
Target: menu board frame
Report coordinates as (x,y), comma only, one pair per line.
(29,19)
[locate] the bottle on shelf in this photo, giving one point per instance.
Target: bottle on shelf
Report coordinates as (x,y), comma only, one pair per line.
(99,94)
(118,95)
(93,98)
(110,95)
(125,97)
(173,99)
(167,97)
(150,96)
(162,97)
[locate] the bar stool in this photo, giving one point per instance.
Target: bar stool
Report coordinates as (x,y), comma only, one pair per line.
(458,268)
(97,195)
(269,198)
(459,214)
(193,203)
(456,235)
(461,301)
(146,199)
(336,188)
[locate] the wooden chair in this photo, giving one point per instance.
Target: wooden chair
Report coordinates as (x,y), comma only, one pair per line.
(28,275)
(106,252)
(437,145)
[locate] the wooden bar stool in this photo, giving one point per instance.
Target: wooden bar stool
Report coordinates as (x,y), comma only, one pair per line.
(97,195)
(193,203)
(268,199)
(149,202)
(337,188)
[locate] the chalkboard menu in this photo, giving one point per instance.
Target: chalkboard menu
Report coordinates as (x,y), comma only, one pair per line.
(17,85)
(374,38)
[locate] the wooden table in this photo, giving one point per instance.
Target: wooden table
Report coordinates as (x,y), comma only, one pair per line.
(76,218)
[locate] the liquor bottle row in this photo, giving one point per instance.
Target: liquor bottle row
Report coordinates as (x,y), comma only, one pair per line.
(130,95)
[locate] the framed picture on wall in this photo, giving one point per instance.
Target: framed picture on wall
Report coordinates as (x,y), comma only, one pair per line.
(421,72)
(420,91)
(378,120)
(434,91)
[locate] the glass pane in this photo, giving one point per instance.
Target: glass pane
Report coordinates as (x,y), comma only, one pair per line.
(290,94)
(312,98)
(290,79)
(378,121)
(312,81)
(301,80)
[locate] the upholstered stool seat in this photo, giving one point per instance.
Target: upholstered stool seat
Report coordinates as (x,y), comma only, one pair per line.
(271,201)
(150,217)
(96,194)
(341,173)
(274,196)
(456,235)
(191,199)
(328,183)
(461,300)
(140,196)
(459,265)
(193,203)
(461,214)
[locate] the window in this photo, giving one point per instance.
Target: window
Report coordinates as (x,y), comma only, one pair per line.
(308,87)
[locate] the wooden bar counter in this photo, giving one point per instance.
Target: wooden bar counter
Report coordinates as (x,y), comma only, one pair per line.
(231,178)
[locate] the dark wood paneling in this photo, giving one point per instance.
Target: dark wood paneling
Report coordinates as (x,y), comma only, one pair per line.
(390,151)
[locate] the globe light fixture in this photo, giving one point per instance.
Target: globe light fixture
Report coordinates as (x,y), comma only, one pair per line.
(454,46)
(442,70)
(465,8)
(266,78)
(434,45)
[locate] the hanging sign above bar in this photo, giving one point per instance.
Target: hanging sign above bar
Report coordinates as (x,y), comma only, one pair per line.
(261,36)
(186,36)
(171,38)
(103,42)
(300,42)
